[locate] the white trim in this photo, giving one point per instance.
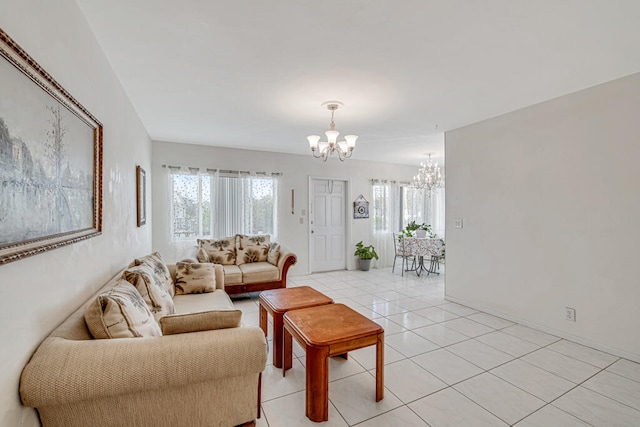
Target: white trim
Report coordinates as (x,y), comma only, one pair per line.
(347,228)
(543,328)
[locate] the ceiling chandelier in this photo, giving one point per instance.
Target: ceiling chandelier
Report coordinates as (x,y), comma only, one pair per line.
(429,176)
(321,149)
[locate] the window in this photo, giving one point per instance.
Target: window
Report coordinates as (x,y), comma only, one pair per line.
(394,205)
(414,206)
(214,205)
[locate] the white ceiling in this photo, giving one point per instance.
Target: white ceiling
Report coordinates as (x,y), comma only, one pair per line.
(253,73)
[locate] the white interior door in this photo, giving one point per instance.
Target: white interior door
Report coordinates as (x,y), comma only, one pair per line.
(327,225)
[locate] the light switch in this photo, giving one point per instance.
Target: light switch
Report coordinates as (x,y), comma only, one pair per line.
(303,212)
(457,223)
(301,220)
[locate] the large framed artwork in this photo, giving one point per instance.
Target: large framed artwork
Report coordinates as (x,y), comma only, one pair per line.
(50,160)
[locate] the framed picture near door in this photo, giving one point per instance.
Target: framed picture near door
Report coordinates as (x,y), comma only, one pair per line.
(141,193)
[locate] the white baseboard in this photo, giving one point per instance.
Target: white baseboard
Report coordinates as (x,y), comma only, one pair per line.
(562,334)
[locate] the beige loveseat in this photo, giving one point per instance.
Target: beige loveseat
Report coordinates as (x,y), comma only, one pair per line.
(205,378)
(250,263)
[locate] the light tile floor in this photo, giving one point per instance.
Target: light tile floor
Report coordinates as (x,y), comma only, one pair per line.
(448,365)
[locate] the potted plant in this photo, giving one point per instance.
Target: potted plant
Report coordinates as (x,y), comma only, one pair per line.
(366,254)
(418,230)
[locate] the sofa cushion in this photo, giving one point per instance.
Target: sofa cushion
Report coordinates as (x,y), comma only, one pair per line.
(258,272)
(274,254)
(193,303)
(232,274)
(159,268)
(202,321)
(194,278)
(221,251)
(252,248)
(202,255)
(151,289)
(120,312)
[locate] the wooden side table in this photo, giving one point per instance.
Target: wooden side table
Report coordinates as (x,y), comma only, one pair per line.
(324,331)
(278,302)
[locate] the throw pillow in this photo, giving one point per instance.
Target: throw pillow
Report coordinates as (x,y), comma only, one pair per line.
(151,289)
(120,312)
(253,248)
(221,251)
(160,269)
(274,254)
(202,255)
(195,278)
(202,321)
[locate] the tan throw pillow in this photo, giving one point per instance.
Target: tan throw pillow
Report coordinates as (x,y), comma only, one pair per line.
(195,278)
(274,254)
(202,321)
(221,251)
(120,312)
(202,255)
(159,268)
(253,248)
(151,290)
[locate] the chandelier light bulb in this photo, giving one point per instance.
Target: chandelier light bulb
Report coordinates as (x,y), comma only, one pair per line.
(313,141)
(332,136)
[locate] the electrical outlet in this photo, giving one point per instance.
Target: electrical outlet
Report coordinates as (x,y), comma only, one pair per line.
(570,314)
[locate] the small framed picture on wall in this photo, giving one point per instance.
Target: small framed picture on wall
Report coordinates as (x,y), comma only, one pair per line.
(141,192)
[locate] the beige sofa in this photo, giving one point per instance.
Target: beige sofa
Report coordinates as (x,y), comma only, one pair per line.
(249,262)
(207,378)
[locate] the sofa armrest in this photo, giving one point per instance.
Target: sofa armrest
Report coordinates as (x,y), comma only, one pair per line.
(64,371)
(219,276)
(286,260)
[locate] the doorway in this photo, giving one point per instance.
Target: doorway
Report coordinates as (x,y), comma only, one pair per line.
(327,224)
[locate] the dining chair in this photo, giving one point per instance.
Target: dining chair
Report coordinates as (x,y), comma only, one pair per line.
(434,265)
(400,252)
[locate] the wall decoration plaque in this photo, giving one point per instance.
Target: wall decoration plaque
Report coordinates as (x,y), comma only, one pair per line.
(360,208)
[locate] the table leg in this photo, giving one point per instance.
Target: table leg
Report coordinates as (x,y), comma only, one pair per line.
(318,383)
(420,266)
(380,367)
(277,339)
(263,320)
(287,352)
(259,392)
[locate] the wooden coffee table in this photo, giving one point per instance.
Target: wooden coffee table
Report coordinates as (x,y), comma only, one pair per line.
(324,331)
(278,302)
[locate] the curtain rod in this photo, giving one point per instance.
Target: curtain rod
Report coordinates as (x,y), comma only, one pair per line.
(389,181)
(227,171)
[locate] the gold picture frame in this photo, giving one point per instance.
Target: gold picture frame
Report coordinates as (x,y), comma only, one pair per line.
(51,158)
(141,195)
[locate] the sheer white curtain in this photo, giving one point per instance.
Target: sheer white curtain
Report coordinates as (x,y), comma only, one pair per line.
(386,218)
(189,195)
(437,212)
(258,205)
(414,205)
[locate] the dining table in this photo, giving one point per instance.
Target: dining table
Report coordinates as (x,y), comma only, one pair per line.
(424,247)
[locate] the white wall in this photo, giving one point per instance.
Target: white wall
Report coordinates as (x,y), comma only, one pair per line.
(296,170)
(550,200)
(38,293)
